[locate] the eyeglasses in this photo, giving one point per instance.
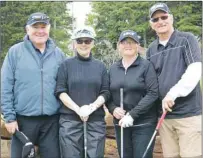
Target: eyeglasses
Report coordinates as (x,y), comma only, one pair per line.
(157,19)
(79,41)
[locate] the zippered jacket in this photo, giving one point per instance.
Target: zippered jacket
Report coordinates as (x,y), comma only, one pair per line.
(28,81)
(140,90)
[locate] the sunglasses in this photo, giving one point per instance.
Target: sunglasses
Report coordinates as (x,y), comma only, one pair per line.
(79,41)
(157,19)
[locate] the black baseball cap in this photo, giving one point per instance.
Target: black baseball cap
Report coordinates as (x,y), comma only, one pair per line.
(38,18)
(130,34)
(158,6)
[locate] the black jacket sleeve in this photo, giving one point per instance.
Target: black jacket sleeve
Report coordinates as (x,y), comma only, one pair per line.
(105,85)
(151,96)
(61,80)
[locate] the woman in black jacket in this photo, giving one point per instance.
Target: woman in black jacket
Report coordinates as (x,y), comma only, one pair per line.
(83,87)
(138,79)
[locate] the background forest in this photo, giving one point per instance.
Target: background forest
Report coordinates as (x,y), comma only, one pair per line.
(107,18)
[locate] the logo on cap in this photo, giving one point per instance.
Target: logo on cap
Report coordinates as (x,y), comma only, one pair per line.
(158,6)
(130,34)
(38,18)
(84,32)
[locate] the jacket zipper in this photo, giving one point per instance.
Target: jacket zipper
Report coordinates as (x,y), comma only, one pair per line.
(42,96)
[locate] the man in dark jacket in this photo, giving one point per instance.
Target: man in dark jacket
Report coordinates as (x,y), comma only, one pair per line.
(28,79)
(176,57)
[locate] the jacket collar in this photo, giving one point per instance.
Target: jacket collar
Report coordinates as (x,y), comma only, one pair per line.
(135,63)
(50,45)
(171,40)
(78,56)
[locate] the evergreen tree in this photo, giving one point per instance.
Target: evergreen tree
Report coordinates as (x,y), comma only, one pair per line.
(13,17)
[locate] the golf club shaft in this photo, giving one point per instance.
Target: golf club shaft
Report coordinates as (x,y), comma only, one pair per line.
(155,132)
(138,125)
(121,105)
(85,138)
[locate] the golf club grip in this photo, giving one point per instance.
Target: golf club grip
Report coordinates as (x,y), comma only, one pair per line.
(21,136)
(121,98)
(161,120)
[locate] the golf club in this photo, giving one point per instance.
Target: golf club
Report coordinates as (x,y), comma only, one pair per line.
(155,132)
(85,138)
(121,105)
(138,125)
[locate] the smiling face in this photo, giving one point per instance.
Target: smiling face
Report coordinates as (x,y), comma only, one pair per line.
(128,47)
(84,46)
(38,33)
(162,23)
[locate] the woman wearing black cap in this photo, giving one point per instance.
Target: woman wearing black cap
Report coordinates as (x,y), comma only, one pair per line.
(137,77)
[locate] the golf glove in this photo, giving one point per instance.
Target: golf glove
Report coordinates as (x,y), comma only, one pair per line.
(86,110)
(126,121)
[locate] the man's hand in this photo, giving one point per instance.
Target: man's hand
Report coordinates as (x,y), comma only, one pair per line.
(118,113)
(11,127)
(126,121)
(167,103)
(86,110)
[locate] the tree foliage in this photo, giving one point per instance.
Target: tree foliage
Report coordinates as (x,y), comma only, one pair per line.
(110,18)
(13,16)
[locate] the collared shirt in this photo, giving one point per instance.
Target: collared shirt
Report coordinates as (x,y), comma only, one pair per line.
(170,62)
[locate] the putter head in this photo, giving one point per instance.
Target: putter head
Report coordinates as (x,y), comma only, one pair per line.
(28,148)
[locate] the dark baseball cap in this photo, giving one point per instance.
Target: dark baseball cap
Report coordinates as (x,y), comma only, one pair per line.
(28,148)
(130,34)
(38,18)
(158,6)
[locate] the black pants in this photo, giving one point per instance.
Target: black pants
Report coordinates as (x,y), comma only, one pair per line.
(71,137)
(135,141)
(42,131)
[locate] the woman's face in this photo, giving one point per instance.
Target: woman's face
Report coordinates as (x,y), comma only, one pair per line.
(84,46)
(128,47)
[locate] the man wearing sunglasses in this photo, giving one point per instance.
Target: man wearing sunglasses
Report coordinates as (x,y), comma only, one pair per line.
(28,79)
(83,87)
(177,61)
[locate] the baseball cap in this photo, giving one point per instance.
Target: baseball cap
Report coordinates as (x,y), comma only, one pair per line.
(38,18)
(85,31)
(28,148)
(130,34)
(158,6)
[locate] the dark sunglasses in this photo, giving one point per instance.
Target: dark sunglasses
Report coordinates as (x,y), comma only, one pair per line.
(157,19)
(79,41)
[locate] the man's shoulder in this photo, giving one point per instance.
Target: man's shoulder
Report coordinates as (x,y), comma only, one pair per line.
(153,44)
(17,46)
(16,49)
(59,51)
(183,34)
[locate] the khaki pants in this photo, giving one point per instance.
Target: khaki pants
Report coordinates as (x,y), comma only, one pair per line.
(181,137)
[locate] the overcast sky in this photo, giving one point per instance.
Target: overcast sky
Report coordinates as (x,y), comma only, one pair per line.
(80,9)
